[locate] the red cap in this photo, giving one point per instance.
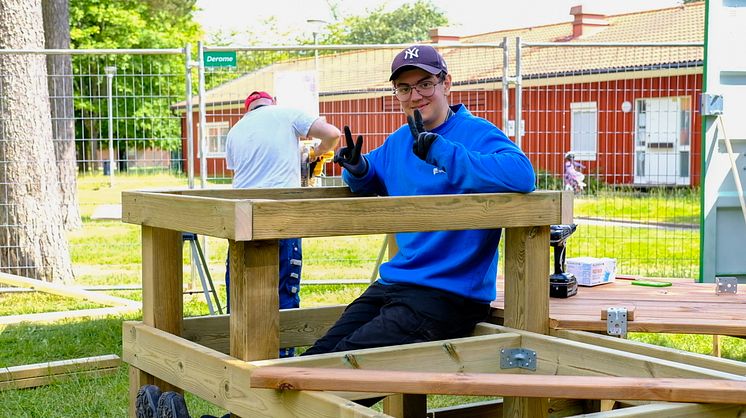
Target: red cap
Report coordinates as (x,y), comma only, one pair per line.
(256,95)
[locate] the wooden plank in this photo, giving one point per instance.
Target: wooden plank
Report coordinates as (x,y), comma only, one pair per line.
(685,307)
(483,384)
(33,382)
(672,354)
(221,218)
(674,411)
(66,291)
(563,357)
(402,405)
(527,298)
(255,317)
(470,354)
(298,327)
(162,299)
(307,217)
(31,375)
(568,199)
(290,218)
(45,317)
(264,193)
(222,380)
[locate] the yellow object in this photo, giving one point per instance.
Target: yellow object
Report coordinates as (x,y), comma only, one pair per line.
(323,158)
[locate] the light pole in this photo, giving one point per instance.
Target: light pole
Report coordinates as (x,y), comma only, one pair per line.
(110,72)
(316,26)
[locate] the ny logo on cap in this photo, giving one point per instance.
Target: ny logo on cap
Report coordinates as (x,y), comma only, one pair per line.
(411,53)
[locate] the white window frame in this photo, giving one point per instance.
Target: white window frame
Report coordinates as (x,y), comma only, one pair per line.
(581,153)
(208,137)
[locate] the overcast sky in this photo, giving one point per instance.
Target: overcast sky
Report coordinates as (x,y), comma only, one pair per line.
(473,16)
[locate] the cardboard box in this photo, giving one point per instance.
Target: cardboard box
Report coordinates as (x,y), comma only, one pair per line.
(591,271)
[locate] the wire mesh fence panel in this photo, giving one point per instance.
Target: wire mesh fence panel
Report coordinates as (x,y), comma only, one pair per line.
(627,114)
(619,126)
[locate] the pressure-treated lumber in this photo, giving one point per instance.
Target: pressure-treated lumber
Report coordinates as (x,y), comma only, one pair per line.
(674,410)
(45,317)
(664,353)
(162,300)
(254,300)
(258,219)
(32,375)
(298,327)
(684,307)
(222,379)
(66,291)
(572,387)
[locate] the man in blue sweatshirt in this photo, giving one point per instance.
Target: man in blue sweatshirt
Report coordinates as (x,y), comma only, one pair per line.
(440,284)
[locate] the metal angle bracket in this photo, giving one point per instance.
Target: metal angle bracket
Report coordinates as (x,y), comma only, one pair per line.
(616,322)
(522,358)
(726,285)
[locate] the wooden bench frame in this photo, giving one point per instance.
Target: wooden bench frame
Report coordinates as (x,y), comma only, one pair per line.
(254,220)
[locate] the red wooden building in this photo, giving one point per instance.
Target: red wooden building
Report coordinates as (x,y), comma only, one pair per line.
(629,113)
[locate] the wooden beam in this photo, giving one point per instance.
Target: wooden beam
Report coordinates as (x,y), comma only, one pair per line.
(470,354)
(223,380)
(277,219)
(255,317)
(273,194)
(665,353)
(563,357)
(32,375)
(45,317)
(483,384)
(162,299)
(298,327)
(221,218)
(66,291)
(675,410)
(527,298)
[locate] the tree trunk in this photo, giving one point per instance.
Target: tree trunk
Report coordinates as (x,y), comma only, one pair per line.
(59,69)
(32,238)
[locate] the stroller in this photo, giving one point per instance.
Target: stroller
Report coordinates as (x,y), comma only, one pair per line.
(573,176)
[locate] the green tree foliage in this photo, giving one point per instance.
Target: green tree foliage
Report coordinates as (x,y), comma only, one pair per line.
(408,23)
(145,85)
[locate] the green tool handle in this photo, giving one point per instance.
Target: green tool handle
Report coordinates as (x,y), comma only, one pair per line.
(650,283)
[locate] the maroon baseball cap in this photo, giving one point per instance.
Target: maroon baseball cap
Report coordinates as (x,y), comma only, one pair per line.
(256,95)
(424,57)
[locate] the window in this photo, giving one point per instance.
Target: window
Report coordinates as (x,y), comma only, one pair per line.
(584,134)
(216,134)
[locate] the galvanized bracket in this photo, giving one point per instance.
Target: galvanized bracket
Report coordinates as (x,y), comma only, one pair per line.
(616,322)
(523,358)
(726,285)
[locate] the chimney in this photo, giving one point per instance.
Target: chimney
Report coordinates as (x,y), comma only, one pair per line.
(586,23)
(443,35)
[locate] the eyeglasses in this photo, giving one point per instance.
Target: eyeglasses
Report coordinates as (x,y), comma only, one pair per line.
(425,88)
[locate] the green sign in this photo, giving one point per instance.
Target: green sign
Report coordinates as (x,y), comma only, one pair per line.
(220,58)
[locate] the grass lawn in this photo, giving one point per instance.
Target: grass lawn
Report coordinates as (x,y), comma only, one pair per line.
(107,252)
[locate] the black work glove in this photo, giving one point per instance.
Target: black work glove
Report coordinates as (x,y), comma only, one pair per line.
(349,157)
(423,139)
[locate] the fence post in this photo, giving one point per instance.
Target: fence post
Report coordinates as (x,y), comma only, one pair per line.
(189,122)
(518,104)
(202,117)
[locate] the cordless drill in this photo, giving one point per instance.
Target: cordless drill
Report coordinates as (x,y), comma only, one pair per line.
(561,284)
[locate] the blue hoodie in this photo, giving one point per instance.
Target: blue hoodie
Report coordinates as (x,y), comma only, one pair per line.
(472,156)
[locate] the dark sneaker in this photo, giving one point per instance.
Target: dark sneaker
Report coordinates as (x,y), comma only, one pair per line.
(146,402)
(172,405)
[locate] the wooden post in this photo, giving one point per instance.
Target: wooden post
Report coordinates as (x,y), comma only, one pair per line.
(527,299)
(255,315)
(162,299)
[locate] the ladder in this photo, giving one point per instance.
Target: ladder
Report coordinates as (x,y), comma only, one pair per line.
(198,258)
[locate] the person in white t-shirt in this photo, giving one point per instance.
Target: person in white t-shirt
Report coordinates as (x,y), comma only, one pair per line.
(262,149)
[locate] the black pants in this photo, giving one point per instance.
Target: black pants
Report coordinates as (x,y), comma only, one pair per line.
(401,314)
